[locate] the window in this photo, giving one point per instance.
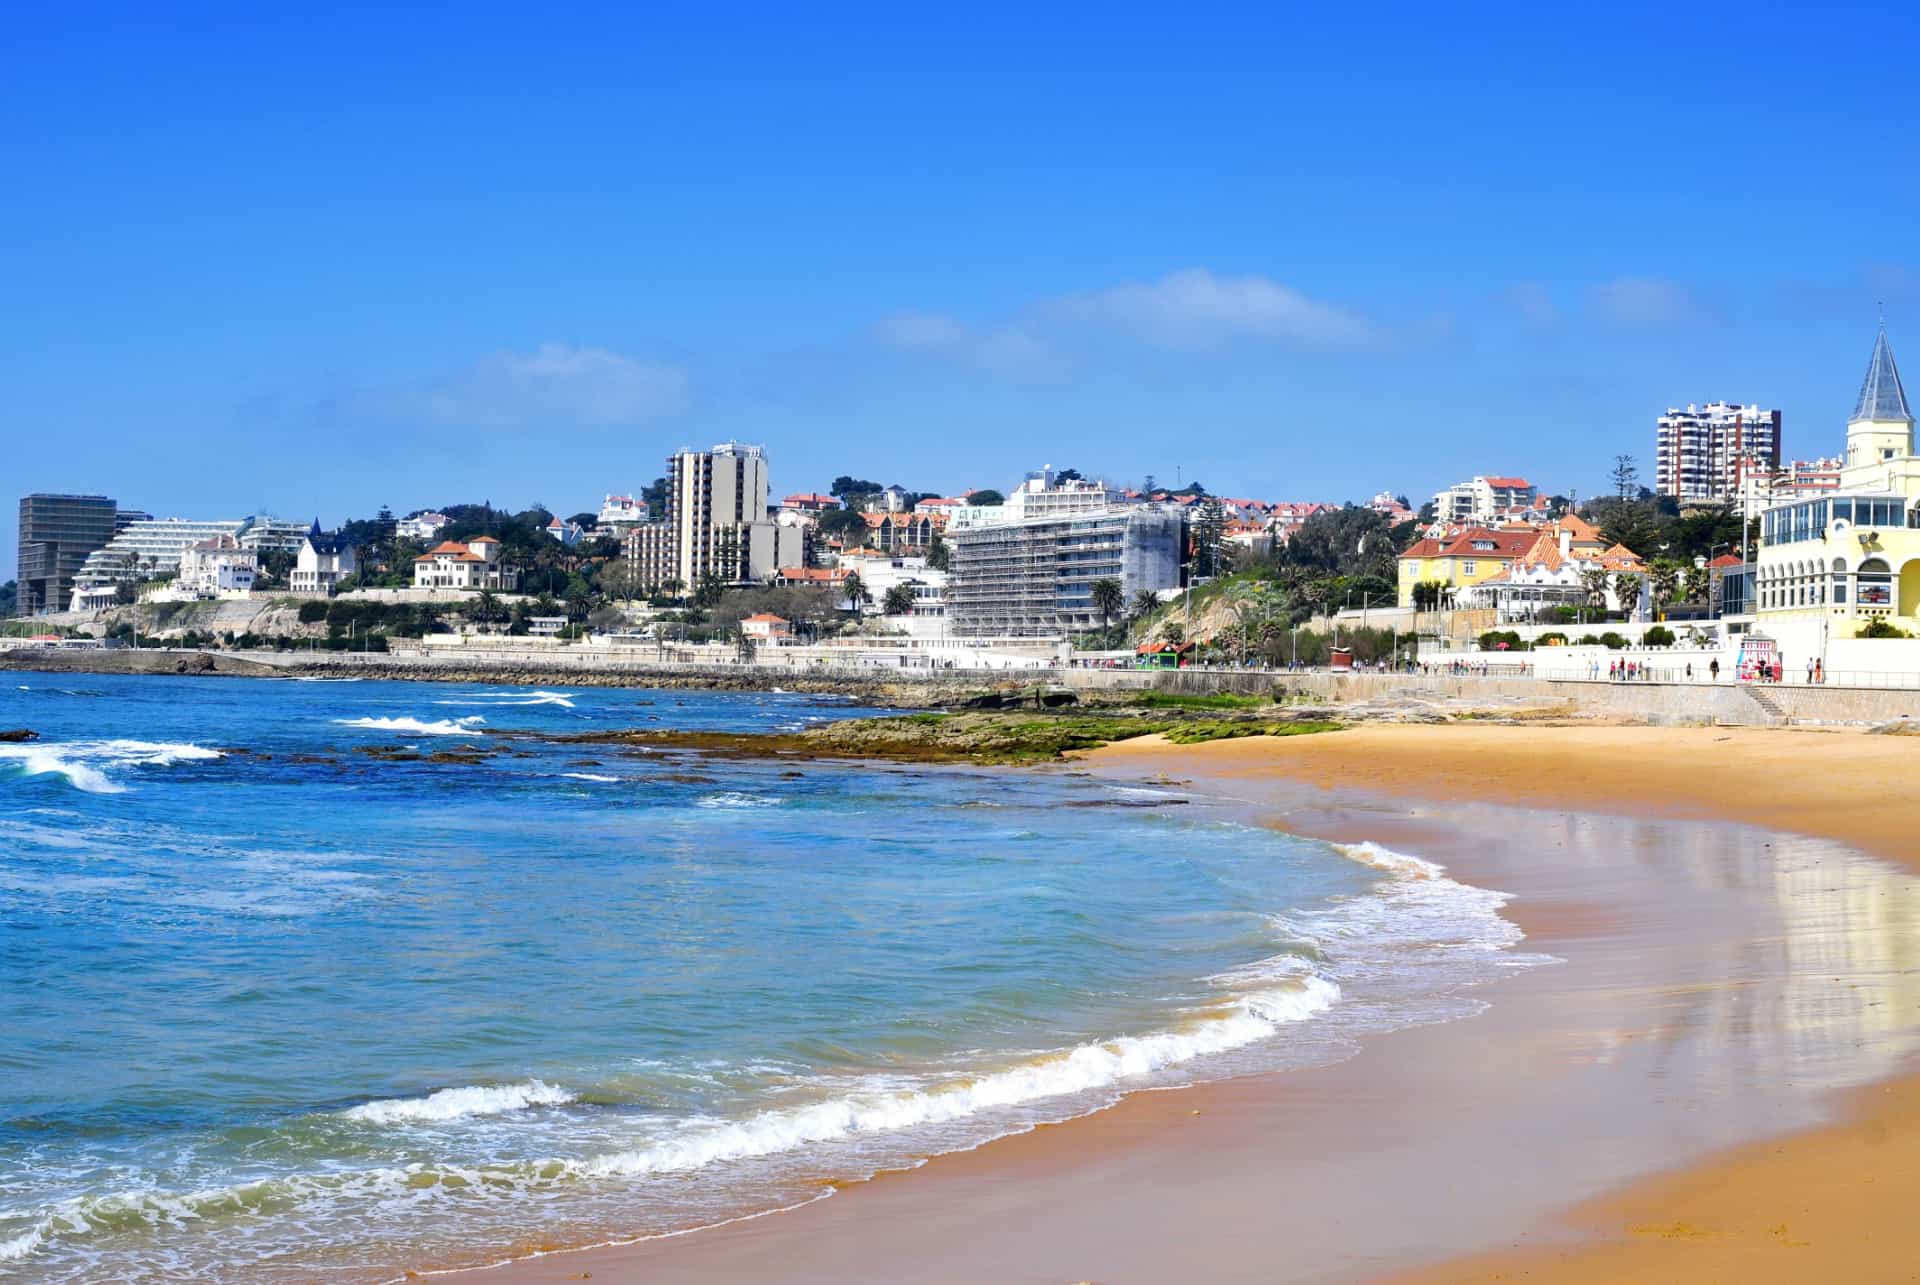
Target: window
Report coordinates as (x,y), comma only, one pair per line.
(1466,568)
(1875,583)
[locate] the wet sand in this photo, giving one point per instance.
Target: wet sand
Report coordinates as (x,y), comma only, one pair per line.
(1720,985)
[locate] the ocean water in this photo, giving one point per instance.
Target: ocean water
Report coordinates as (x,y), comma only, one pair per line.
(279,1004)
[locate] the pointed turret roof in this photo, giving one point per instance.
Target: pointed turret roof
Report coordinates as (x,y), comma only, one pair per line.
(1881,396)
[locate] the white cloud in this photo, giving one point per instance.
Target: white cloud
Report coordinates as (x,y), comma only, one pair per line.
(1194,306)
(1647,301)
(1006,348)
(555,384)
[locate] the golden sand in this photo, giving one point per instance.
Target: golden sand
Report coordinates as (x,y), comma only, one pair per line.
(1835,1203)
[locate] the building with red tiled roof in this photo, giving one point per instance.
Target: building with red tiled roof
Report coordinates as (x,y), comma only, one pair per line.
(766,627)
(473,565)
(1462,560)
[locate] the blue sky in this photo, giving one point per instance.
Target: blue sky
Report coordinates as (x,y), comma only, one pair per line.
(312,262)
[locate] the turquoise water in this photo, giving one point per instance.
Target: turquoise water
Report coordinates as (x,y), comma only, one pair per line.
(278,1008)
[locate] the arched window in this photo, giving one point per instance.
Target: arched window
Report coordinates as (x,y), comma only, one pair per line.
(1875,581)
(1839,582)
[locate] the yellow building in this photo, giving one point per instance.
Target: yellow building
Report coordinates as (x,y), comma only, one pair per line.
(1838,563)
(1467,558)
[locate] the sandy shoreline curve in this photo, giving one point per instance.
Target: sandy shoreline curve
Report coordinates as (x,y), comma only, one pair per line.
(1830,1202)
(1195,1183)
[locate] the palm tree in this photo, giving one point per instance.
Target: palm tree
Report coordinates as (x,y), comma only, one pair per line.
(854,590)
(1145,603)
(1699,583)
(1666,583)
(1626,587)
(486,608)
(898,601)
(1109,599)
(1596,583)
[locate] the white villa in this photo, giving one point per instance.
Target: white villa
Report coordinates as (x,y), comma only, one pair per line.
(1554,572)
(619,514)
(216,567)
(324,560)
(473,565)
(421,526)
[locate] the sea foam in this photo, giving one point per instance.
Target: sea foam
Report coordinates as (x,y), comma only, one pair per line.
(80,762)
(459,1103)
(1089,1068)
(485,699)
(421,727)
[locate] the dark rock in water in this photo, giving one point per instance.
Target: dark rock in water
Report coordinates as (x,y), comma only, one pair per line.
(1056,700)
(18,734)
(986,700)
(1123,803)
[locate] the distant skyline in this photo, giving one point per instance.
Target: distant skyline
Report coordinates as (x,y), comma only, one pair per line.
(313,263)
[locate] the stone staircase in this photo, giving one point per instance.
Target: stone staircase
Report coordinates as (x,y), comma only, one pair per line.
(1770,708)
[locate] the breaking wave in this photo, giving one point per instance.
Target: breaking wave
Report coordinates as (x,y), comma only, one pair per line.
(421,727)
(1088,1068)
(81,762)
(485,699)
(590,776)
(456,1104)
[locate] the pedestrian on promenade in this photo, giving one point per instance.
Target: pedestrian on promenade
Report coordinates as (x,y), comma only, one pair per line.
(1713,669)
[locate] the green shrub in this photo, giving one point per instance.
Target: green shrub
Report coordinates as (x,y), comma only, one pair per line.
(1658,636)
(1554,639)
(1612,641)
(312,613)
(1882,629)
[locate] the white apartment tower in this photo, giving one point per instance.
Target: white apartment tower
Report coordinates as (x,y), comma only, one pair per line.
(1698,452)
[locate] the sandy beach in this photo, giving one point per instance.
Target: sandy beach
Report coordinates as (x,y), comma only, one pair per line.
(1707,1086)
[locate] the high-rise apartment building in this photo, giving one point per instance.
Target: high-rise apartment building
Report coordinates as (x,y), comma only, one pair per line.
(717,522)
(57,532)
(1698,451)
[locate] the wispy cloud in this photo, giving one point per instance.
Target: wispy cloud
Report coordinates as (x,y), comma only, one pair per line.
(1186,309)
(1195,306)
(553,385)
(1533,302)
(1649,302)
(1008,348)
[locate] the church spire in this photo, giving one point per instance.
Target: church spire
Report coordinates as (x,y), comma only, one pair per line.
(1881,396)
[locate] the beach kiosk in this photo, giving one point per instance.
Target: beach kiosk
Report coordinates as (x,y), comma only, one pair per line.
(1161,655)
(1340,658)
(1758,654)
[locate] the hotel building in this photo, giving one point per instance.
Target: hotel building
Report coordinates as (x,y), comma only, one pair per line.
(1830,566)
(1034,577)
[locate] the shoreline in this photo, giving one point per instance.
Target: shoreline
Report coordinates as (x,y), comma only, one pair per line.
(1039,1175)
